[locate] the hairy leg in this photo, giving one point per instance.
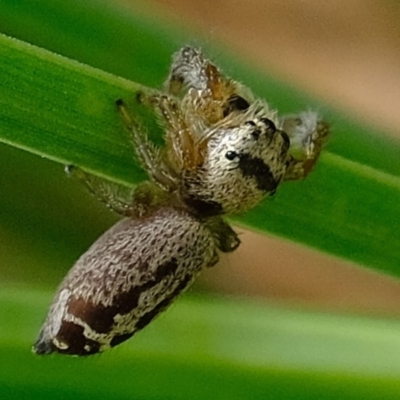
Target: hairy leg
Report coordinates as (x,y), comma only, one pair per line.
(125,201)
(190,69)
(216,96)
(182,143)
(226,238)
(149,155)
(116,197)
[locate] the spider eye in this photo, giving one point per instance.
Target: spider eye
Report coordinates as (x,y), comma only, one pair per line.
(256,132)
(235,103)
(231,155)
(271,128)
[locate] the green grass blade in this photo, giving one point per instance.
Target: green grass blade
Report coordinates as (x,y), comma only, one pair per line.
(64,110)
(201,348)
(225,350)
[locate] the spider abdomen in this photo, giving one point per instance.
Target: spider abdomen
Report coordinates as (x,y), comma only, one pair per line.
(125,279)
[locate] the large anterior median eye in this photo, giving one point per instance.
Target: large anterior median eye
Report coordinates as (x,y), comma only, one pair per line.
(231,155)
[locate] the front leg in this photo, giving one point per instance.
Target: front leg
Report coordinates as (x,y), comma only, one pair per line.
(308,134)
(217,96)
(191,70)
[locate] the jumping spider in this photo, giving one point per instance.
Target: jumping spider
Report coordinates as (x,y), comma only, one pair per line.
(225,150)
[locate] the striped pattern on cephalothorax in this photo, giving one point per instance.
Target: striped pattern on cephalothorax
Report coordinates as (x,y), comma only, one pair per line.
(243,164)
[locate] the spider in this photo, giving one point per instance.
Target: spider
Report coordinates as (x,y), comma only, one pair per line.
(225,151)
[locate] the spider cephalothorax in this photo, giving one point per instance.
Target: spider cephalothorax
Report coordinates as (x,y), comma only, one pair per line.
(242,165)
(224,152)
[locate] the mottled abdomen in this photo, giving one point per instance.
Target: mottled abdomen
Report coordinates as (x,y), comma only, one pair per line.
(126,278)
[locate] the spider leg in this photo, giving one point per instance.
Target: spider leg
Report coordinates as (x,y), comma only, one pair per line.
(216,95)
(307,134)
(116,197)
(123,200)
(148,154)
(183,151)
(226,238)
(190,69)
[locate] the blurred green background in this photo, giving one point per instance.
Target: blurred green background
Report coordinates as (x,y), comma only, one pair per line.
(205,346)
